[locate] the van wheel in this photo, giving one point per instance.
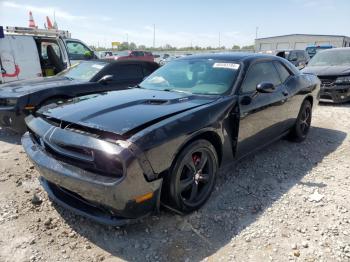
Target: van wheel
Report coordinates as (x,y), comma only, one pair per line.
(301,127)
(192,177)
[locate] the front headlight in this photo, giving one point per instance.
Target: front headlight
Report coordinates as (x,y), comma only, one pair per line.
(343,80)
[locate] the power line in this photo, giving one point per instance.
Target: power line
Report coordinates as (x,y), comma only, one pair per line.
(154,35)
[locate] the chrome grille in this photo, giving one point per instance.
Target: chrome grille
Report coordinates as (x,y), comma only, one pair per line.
(327,82)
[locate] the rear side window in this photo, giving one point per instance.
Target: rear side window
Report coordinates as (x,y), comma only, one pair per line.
(128,72)
(283,72)
(138,53)
(258,73)
(45,46)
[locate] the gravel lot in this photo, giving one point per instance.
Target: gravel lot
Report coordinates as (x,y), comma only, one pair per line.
(287,202)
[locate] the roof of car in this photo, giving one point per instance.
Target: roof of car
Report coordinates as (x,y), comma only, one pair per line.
(232,56)
(129,61)
(336,49)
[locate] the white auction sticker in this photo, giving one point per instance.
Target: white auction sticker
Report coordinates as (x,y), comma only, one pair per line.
(232,66)
(97,66)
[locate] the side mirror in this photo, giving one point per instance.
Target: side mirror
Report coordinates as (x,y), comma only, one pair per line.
(265,87)
(106,79)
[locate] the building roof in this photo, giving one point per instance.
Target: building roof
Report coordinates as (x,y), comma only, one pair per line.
(229,56)
(300,35)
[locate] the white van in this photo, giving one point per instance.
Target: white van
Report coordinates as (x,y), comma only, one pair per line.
(29,52)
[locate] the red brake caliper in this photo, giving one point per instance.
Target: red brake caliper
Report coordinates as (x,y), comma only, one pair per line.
(196,159)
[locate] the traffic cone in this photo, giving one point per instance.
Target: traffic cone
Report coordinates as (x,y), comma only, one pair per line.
(49,24)
(31,20)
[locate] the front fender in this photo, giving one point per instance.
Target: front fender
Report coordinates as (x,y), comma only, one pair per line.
(163,141)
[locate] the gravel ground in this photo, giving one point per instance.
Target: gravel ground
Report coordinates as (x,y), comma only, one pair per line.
(287,202)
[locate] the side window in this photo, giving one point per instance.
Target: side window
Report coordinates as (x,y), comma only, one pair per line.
(139,53)
(258,73)
(78,51)
(301,56)
(282,71)
(128,72)
(293,56)
(45,46)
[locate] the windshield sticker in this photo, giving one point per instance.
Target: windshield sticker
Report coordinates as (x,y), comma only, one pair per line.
(97,66)
(232,66)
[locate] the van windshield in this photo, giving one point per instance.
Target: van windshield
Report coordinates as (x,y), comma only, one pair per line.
(85,70)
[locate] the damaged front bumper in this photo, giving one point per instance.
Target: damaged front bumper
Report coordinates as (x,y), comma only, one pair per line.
(10,118)
(72,178)
(335,93)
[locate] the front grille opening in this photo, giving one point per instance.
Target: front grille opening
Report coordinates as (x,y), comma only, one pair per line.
(326,97)
(102,165)
(52,121)
(34,136)
(81,151)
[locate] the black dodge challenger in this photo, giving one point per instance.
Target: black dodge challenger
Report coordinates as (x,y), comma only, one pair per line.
(18,99)
(116,156)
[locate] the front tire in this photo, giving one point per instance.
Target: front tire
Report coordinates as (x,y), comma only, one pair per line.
(302,125)
(192,177)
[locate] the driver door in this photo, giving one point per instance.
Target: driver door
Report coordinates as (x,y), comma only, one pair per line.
(261,114)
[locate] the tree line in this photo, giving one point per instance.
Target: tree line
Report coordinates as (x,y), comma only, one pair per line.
(132,46)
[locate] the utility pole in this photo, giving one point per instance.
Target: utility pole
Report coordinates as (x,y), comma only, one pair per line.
(127,38)
(219,40)
(154,36)
(256,32)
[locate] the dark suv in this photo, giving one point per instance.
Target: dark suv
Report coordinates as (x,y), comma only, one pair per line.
(299,58)
(332,66)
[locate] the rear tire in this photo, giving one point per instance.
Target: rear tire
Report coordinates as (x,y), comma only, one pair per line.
(302,125)
(192,177)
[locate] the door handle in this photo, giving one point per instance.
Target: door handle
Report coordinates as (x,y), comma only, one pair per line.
(285,93)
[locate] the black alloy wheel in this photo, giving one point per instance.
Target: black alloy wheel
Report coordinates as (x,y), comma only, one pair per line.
(192,177)
(303,123)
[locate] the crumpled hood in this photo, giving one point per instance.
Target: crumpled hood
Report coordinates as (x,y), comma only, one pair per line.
(25,87)
(327,70)
(124,112)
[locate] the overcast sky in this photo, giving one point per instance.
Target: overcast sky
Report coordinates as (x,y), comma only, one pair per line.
(182,22)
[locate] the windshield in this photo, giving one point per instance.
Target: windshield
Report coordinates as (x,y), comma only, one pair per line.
(331,58)
(311,50)
(207,77)
(83,70)
(314,50)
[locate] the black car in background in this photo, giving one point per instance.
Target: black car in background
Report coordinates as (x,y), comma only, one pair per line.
(332,66)
(18,99)
(299,58)
(113,157)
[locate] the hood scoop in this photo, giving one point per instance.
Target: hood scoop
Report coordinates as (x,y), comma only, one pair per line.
(155,102)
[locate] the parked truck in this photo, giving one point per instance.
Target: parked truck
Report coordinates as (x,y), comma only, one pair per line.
(31,52)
